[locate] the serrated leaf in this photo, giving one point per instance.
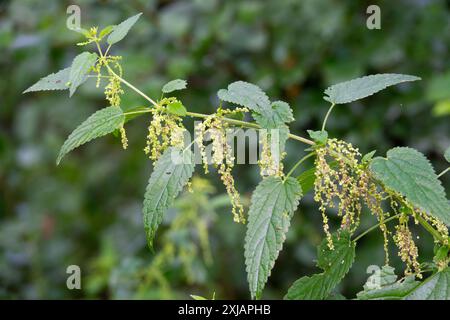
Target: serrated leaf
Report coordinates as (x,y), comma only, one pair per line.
(436,287)
(359,88)
(318,136)
(272,206)
(276,118)
(171,173)
(177,108)
(380,278)
(408,172)
(247,95)
(81,65)
(393,291)
(280,114)
(98,124)
(335,265)
(174,85)
(447,155)
(121,30)
(54,81)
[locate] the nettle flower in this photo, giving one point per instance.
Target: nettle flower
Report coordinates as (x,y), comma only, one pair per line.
(339,183)
(165,129)
(222,155)
(408,251)
(270,162)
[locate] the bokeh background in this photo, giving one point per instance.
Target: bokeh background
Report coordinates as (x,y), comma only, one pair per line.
(87,211)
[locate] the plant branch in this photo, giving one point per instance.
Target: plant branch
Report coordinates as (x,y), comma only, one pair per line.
(201,115)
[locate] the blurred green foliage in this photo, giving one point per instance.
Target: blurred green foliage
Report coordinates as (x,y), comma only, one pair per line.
(87,211)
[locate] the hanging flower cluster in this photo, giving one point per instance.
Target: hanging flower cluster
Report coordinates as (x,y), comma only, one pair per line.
(270,162)
(165,129)
(408,251)
(222,156)
(339,181)
(344,183)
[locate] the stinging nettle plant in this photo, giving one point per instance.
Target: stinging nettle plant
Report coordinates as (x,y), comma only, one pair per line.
(400,189)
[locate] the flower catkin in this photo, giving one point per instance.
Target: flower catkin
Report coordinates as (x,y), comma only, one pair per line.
(165,130)
(222,156)
(338,182)
(408,251)
(270,162)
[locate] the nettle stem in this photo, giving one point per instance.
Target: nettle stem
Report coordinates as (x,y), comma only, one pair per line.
(235,122)
(299,162)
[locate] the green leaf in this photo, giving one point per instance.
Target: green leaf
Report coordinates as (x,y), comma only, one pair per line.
(177,108)
(307,179)
(121,30)
(106,30)
(272,206)
(54,81)
(447,154)
(247,95)
(81,65)
(368,156)
(99,124)
(279,114)
(391,291)
(380,278)
(320,137)
(335,265)
(268,115)
(276,118)
(359,88)
(436,287)
(408,172)
(174,85)
(171,173)
(193,296)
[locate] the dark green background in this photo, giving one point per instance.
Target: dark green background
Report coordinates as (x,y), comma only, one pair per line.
(87,211)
